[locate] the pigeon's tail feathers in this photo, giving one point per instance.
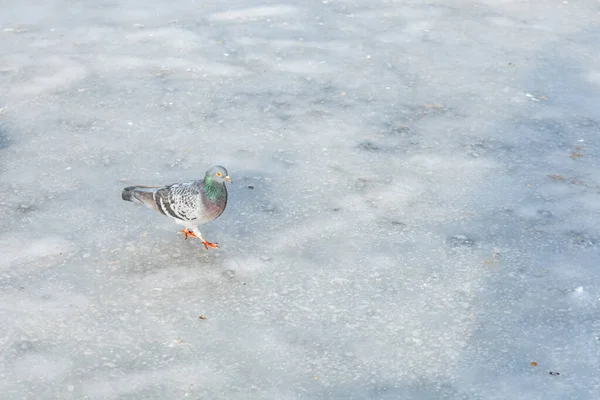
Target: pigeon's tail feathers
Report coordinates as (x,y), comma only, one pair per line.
(140,194)
(127,193)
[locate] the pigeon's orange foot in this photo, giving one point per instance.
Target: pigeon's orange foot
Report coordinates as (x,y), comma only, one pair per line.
(209,244)
(187,233)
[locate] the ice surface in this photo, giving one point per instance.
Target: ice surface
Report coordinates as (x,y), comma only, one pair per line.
(414,214)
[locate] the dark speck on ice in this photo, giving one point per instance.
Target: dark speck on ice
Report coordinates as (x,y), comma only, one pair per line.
(369,146)
(460,241)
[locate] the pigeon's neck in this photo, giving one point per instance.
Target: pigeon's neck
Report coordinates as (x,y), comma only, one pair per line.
(213,190)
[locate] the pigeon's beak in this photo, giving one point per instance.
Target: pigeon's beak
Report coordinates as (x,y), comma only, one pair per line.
(227,178)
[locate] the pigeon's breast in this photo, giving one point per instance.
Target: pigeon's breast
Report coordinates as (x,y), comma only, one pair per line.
(211,209)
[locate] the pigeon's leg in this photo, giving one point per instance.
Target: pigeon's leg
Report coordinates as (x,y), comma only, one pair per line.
(187,233)
(204,242)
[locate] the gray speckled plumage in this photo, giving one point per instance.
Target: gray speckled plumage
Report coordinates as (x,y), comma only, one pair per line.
(190,203)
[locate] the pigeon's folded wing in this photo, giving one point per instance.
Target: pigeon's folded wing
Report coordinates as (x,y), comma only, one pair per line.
(179,200)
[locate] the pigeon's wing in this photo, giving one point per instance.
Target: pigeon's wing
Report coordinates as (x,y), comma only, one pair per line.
(179,200)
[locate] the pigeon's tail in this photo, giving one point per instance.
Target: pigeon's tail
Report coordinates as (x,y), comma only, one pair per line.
(127,193)
(140,194)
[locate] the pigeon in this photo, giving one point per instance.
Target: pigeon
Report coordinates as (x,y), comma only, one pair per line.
(190,204)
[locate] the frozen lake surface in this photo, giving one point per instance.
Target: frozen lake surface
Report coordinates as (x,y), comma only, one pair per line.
(414,214)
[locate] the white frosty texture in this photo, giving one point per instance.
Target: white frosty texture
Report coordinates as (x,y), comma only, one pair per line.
(414,214)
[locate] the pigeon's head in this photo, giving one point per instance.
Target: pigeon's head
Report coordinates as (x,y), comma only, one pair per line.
(218,174)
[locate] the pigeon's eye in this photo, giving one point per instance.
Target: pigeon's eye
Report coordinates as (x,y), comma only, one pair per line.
(218,174)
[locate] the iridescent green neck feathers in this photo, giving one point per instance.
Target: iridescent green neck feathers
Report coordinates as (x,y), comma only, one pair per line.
(213,190)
